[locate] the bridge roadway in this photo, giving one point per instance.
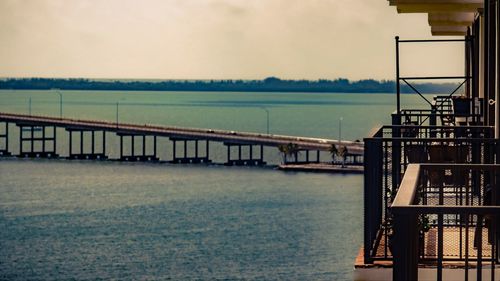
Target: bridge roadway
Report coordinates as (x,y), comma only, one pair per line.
(354,148)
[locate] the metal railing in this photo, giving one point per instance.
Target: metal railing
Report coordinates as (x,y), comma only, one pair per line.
(442,104)
(442,112)
(438,222)
(389,152)
(431,117)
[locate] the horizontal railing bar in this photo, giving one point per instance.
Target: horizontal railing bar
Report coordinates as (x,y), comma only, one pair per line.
(437,114)
(436,127)
(448,166)
(408,187)
(436,139)
(435,111)
(432,40)
(375,133)
(434,77)
(447,210)
(405,197)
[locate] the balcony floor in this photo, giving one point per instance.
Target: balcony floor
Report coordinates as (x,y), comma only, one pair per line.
(453,249)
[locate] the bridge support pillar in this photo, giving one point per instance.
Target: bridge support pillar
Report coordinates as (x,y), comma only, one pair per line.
(353,159)
(39,144)
(81,154)
(142,156)
(4,141)
(185,158)
(250,160)
(297,161)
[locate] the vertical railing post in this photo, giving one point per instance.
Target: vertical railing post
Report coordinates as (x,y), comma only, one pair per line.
(405,246)
(467,48)
(372,194)
(396,119)
(396,156)
(433,121)
(398,87)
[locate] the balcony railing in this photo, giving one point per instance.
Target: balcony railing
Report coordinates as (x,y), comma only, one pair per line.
(389,152)
(443,111)
(438,223)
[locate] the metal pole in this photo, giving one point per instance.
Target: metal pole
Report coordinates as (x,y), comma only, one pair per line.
(497,69)
(60,104)
(267,115)
(29,107)
(340,129)
(398,88)
(117,104)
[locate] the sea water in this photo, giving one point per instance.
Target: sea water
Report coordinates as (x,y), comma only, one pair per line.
(62,219)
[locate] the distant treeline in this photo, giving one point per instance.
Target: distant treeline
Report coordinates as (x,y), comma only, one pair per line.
(271,84)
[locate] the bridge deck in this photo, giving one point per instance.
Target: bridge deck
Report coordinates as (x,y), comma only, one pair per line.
(354,148)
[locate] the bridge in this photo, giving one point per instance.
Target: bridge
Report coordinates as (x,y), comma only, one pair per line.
(42,130)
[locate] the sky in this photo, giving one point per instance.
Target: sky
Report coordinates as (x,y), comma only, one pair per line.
(216,39)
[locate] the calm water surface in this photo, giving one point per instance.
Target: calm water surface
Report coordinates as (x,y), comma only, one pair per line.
(83,220)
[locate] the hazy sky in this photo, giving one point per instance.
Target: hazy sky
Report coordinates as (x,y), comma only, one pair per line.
(219,39)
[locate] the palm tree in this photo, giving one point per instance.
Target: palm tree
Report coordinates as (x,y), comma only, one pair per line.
(283,148)
(293,150)
(343,154)
(333,151)
(288,150)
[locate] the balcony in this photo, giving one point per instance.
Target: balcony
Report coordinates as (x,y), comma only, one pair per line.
(389,154)
(442,225)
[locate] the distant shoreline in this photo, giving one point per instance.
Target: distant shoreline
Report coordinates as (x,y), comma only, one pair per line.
(271,84)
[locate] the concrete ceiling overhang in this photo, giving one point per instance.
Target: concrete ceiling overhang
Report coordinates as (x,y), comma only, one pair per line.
(449,30)
(446,17)
(451,19)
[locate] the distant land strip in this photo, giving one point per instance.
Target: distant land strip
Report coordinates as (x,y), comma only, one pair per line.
(270,84)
